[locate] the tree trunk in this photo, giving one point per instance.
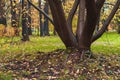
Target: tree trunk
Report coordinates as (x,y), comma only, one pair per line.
(61,25)
(14,17)
(46,25)
(2,13)
(86,26)
(25,36)
(29,19)
(41,21)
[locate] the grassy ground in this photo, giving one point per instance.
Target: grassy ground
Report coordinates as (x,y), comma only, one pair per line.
(108,43)
(25,58)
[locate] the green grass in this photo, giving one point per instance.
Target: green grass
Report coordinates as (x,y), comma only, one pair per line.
(36,43)
(108,43)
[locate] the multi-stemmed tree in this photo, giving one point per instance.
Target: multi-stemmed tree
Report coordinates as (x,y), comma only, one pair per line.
(89,11)
(88,15)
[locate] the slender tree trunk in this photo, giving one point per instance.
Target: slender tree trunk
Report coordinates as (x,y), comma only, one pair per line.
(46,25)
(118,24)
(25,36)
(41,21)
(2,13)
(29,20)
(14,17)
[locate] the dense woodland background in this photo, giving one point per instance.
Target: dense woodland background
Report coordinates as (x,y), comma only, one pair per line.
(11,17)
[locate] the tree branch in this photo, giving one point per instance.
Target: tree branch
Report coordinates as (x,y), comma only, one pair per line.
(108,20)
(40,10)
(72,12)
(99,5)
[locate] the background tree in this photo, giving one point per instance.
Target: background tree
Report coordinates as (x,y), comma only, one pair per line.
(2,13)
(29,20)
(44,29)
(46,24)
(117,19)
(15,16)
(25,35)
(41,20)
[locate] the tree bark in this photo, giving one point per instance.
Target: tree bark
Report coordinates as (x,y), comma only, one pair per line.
(29,19)
(46,25)
(60,24)
(81,21)
(14,17)
(41,21)
(2,13)
(25,36)
(86,29)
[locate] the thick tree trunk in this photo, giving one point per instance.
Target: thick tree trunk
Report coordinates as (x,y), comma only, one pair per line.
(60,24)
(86,25)
(81,21)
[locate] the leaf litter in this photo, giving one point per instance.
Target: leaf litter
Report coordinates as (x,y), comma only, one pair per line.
(62,65)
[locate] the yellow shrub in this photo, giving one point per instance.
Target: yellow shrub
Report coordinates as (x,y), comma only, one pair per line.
(2,29)
(9,31)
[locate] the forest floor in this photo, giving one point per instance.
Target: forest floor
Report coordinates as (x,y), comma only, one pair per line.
(45,58)
(60,65)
